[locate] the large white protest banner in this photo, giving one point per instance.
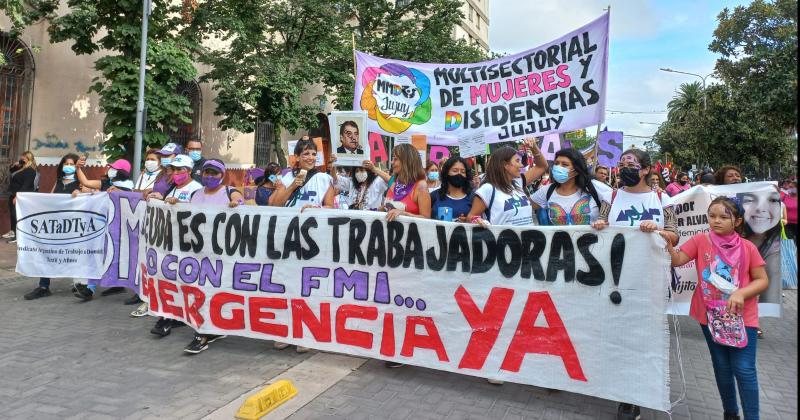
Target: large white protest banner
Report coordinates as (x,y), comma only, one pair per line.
(566,308)
(761,203)
(60,236)
(554,88)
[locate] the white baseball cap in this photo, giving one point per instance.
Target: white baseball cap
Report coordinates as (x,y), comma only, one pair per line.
(182,161)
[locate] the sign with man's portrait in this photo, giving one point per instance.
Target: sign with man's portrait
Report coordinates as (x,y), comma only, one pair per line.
(349,137)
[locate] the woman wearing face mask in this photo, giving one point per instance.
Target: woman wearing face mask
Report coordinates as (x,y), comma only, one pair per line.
(117,177)
(653,213)
(164,179)
(678,186)
(65,184)
(728,174)
(266,184)
(214,192)
(502,199)
(23,179)
(368,187)
(432,174)
(762,216)
(407,193)
(656,181)
(572,198)
(453,201)
(152,169)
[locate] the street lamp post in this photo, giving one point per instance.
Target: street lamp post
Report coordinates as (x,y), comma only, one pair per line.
(703,78)
(137,143)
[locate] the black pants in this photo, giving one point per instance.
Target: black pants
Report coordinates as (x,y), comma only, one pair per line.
(12,213)
(791,232)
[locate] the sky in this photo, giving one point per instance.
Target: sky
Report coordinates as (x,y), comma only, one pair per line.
(645,35)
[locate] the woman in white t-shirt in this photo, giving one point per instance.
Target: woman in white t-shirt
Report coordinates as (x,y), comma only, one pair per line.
(572,198)
(636,204)
(304,186)
(502,200)
(367,188)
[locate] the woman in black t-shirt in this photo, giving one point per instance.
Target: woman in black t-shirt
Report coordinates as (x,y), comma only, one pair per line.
(23,179)
(65,184)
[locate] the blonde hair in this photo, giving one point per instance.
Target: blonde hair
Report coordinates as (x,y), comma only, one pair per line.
(28,155)
(410,164)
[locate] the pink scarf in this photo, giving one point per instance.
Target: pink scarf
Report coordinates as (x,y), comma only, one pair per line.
(729,248)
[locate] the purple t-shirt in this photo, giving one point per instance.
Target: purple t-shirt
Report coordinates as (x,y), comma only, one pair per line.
(217,198)
(161,186)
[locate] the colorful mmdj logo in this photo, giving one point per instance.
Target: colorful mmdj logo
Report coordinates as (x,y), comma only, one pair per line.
(396,96)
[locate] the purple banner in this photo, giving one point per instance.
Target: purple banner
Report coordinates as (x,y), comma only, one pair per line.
(123,238)
(610,148)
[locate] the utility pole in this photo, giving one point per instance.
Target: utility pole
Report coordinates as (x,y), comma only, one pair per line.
(138,137)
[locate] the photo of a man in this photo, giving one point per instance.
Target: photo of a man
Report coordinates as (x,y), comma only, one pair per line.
(348,137)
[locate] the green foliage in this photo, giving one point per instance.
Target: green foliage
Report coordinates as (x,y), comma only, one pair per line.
(114,26)
(752,116)
(23,13)
(276,51)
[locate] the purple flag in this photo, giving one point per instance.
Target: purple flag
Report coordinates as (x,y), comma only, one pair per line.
(610,148)
(123,235)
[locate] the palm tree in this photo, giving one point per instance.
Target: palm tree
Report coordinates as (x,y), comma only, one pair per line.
(687,99)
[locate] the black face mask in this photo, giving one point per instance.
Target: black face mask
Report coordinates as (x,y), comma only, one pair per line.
(682,182)
(458,181)
(629,176)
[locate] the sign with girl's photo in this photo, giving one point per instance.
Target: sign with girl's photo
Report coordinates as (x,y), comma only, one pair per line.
(762,215)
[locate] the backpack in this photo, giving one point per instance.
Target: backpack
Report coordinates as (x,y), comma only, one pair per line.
(543,214)
(488,211)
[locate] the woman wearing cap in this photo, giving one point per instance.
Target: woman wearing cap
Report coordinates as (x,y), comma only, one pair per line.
(214,192)
(304,186)
(182,187)
(118,175)
(151,173)
(65,184)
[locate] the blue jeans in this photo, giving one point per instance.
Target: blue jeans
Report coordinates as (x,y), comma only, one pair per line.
(44,282)
(730,363)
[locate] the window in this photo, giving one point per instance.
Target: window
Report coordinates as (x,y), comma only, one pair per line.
(478,23)
(16,77)
(191,130)
(471,13)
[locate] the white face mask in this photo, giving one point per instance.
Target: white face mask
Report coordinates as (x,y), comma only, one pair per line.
(151,166)
(112,173)
(361,176)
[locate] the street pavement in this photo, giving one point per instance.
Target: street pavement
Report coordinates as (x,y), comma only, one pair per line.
(64,359)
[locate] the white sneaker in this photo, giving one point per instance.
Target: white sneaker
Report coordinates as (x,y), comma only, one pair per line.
(140,310)
(279,346)
(495,381)
(10,234)
(301,349)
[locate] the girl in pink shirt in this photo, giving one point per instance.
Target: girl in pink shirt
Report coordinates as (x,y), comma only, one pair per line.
(731,275)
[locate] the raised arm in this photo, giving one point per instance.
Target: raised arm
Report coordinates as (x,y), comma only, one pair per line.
(540,168)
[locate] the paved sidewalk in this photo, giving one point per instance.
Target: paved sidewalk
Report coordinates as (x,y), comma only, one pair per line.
(62,359)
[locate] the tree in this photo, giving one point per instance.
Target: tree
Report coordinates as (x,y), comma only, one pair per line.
(758,44)
(114,27)
(272,55)
(275,52)
(416,30)
(23,13)
(689,96)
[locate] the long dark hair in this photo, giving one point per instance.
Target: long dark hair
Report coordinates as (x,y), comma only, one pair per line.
(59,169)
(770,236)
(272,168)
(496,169)
(370,177)
(444,176)
(583,179)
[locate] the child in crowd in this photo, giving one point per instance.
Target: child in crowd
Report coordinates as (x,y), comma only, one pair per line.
(731,275)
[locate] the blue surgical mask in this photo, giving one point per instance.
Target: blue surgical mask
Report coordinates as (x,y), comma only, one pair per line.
(196,155)
(560,174)
(272,178)
(68,170)
(165,162)
(433,176)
